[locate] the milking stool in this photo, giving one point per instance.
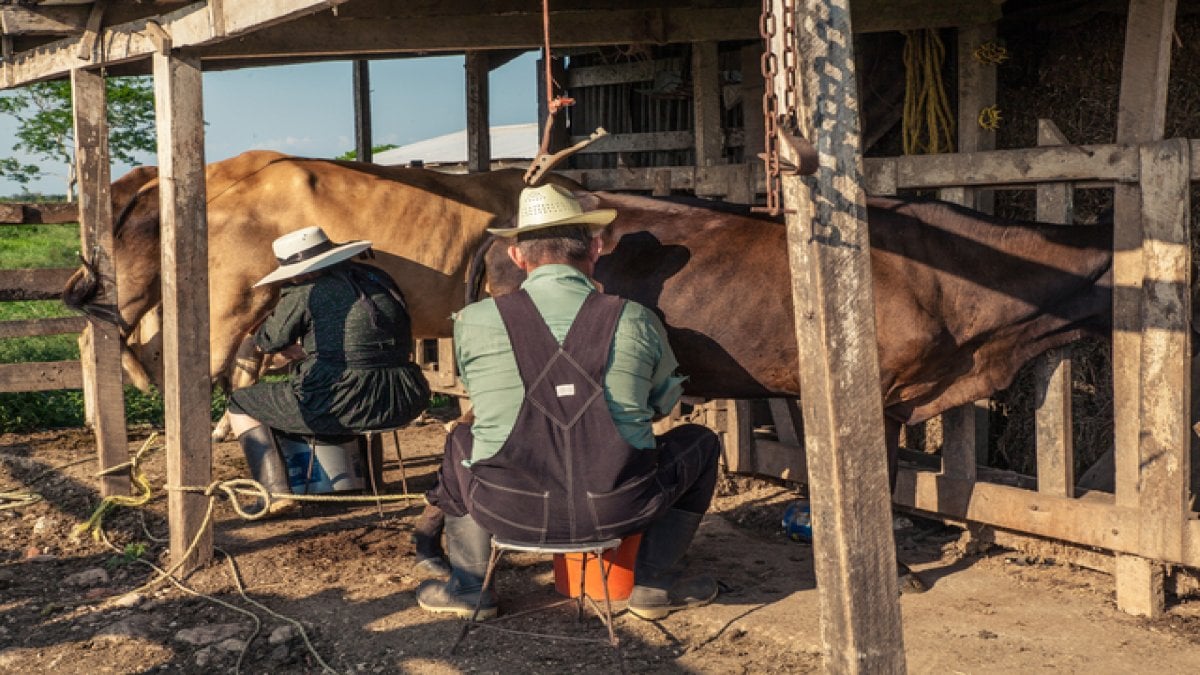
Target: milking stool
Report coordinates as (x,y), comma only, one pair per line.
(595,549)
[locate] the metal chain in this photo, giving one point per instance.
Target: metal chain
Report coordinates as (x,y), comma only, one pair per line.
(773,116)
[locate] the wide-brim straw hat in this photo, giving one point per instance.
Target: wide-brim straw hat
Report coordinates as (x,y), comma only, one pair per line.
(549,206)
(309,250)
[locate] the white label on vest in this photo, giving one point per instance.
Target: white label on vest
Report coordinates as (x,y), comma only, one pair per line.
(565,390)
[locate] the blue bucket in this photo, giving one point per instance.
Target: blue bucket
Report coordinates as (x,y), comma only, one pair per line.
(320,466)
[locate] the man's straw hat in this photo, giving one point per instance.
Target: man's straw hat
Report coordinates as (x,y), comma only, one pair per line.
(309,250)
(548,206)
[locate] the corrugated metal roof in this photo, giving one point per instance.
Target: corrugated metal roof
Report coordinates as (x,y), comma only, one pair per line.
(510,141)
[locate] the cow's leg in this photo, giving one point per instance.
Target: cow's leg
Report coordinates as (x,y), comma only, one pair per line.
(247,364)
(909,581)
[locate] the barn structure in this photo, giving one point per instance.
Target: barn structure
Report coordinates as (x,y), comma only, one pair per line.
(681,85)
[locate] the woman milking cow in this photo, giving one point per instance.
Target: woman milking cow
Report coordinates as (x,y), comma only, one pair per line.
(346,328)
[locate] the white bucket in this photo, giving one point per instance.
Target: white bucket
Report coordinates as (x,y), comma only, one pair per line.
(320,466)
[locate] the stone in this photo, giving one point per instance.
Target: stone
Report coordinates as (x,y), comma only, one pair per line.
(204,657)
(231,645)
(40,525)
(129,600)
(89,577)
(283,635)
(207,635)
(130,627)
(280,654)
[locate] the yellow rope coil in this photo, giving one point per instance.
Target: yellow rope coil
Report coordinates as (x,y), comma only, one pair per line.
(991,53)
(928,121)
(989,118)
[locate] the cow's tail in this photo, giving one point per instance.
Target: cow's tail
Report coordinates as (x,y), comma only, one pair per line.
(81,292)
(477,271)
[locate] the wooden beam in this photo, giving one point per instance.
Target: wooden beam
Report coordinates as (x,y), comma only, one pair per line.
(326,36)
(47,19)
(39,327)
(1164,448)
(479,129)
(752,102)
(100,344)
(33,284)
(622,73)
(1004,167)
(16,213)
(187,388)
(1052,418)
(1141,117)
(190,26)
(1090,520)
(706,104)
(638,142)
(47,376)
(828,248)
(91,31)
(361,82)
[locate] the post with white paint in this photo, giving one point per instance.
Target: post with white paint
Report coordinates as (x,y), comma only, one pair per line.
(854,552)
(1141,118)
(100,343)
(187,391)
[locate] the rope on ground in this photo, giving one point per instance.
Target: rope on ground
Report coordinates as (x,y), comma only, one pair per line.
(138,477)
(928,122)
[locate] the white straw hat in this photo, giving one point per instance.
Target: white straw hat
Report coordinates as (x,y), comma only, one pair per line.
(308,250)
(552,206)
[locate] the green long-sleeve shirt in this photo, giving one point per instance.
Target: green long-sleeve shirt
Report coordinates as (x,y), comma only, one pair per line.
(639,382)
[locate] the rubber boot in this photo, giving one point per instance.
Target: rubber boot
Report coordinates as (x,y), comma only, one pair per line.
(468,546)
(658,588)
(427,544)
(267,467)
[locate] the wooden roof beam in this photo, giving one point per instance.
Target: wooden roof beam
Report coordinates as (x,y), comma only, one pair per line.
(190,26)
(32,20)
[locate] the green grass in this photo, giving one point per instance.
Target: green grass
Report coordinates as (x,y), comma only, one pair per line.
(53,246)
(39,246)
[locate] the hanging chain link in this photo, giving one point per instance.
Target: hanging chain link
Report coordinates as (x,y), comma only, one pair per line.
(773,116)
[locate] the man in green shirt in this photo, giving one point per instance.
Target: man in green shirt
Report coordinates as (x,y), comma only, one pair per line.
(565,382)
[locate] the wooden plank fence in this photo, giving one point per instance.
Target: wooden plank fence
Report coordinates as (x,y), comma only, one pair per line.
(38,284)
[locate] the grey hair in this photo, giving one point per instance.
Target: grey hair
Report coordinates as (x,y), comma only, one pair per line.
(566,244)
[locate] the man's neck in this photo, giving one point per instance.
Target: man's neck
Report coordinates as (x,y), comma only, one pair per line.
(584,269)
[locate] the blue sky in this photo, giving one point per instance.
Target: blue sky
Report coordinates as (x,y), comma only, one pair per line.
(308,109)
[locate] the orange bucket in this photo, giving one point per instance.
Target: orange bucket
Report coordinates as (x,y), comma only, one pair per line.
(618,563)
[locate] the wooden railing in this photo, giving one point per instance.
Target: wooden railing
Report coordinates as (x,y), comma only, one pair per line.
(38,284)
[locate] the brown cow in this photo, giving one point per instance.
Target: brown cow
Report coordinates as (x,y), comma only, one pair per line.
(424,225)
(962,300)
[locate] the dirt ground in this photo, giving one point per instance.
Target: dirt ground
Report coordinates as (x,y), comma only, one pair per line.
(343,572)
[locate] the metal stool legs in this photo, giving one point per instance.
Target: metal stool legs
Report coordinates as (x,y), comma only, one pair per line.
(606,616)
(493,561)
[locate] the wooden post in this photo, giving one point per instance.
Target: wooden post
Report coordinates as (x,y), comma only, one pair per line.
(976,91)
(100,343)
(1164,449)
(706,104)
(479,140)
(829,251)
(187,388)
(362,110)
(1141,118)
(1055,449)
